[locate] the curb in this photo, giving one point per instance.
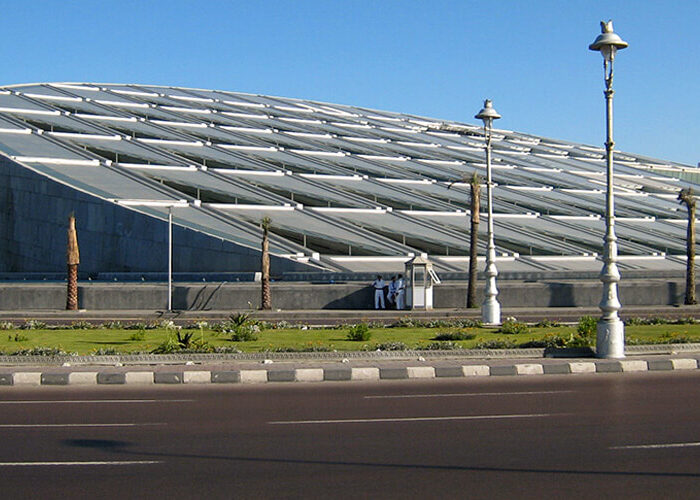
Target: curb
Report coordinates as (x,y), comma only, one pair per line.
(261,376)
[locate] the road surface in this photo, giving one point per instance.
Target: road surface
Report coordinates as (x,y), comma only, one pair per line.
(614,436)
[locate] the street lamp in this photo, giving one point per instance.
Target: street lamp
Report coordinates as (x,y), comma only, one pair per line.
(490,308)
(610,341)
(169,204)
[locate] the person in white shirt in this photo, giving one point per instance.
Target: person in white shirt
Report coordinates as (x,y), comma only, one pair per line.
(378,285)
(391,296)
(400,292)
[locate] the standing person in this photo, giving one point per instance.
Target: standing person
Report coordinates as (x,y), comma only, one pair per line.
(391,296)
(378,285)
(400,292)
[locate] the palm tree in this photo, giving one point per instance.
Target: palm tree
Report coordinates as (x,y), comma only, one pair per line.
(72,260)
(266,299)
(687,196)
(474,208)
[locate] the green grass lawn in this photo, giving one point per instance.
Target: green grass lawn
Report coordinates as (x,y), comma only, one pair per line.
(90,341)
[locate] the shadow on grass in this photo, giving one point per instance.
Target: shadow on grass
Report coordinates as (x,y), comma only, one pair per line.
(114,342)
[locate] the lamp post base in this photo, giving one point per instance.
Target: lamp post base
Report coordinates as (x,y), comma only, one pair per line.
(610,339)
(491,313)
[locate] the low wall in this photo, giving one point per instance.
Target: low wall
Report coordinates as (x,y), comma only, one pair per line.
(295,296)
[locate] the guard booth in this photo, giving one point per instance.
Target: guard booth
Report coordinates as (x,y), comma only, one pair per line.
(420,279)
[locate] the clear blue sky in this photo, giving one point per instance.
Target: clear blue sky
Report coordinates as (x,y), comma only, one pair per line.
(434,58)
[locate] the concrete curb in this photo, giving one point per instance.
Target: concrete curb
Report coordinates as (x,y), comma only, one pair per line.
(261,376)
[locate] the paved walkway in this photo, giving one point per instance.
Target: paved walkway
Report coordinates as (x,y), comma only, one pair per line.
(335,316)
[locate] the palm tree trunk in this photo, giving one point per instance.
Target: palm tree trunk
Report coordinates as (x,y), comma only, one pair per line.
(475,207)
(687,197)
(72,260)
(266,296)
(690,262)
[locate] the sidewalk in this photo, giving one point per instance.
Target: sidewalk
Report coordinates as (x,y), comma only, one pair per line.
(337,316)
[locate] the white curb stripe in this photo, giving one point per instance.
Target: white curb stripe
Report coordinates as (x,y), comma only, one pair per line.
(464,394)
(408,419)
(139,377)
(308,374)
(26,378)
(82,378)
(44,464)
(476,370)
(634,366)
(420,372)
(93,401)
(364,374)
(582,367)
(654,446)
(684,364)
(529,369)
(51,426)
(196,377)
(253,376)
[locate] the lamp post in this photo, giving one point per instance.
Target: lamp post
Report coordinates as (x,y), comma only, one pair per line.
(490,308)
(169,205)
(610,340)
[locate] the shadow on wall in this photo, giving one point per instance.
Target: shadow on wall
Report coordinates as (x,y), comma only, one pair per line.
(562,295)
(358,299)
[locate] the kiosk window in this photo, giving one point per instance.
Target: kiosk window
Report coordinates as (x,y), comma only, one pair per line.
(419,276)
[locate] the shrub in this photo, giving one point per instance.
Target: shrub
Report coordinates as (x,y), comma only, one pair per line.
(408,322)
(391,346)
(245,333)
(182,343)
(105,351)
(359,333)
(41,351)
(657,320)
(184,339)
(141,326)
(440,346)
(405,322)
(138,336)
(308,348)
(587,326)
(168,346)
(240,327)
(33,324)
(496,344)
(82,325)
(226,350)
(7,325)
(239,319)
(579,340)
(513,327)
(455,335)
(113,325)
(676,338)
(545,323)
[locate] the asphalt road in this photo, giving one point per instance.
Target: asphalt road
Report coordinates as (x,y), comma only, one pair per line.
(601,436)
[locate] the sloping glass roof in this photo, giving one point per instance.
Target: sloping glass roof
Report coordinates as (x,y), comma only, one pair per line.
(343,185)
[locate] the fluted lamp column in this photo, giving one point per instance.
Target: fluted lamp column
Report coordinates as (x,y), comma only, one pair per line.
(490,308)
(610,339)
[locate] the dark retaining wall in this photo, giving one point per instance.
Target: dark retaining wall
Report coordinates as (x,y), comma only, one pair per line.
(292,296)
